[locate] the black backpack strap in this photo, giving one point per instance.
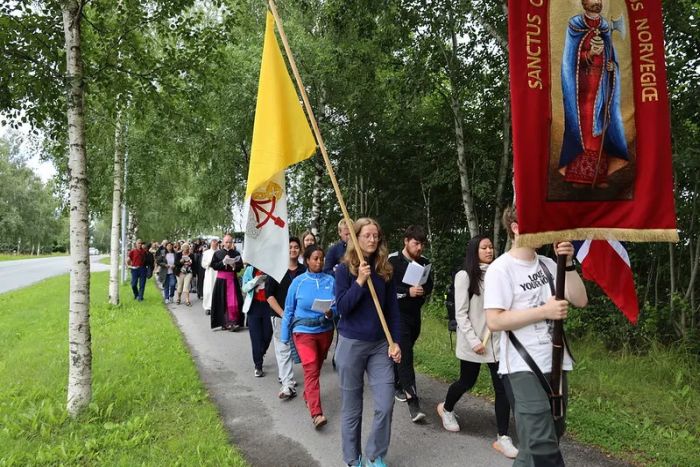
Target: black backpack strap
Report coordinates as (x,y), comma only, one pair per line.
(550,279)
(530,362)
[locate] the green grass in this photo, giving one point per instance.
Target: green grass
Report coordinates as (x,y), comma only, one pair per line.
(149,406)
(643,409)
(11,257)
(106,261)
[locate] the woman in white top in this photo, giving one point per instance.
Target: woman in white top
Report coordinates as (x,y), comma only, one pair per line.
(475,343)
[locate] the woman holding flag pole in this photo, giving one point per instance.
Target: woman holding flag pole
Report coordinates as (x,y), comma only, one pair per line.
(282,137)
(361,345)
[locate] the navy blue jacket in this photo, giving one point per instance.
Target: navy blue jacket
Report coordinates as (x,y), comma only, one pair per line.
(333,257)
(358,317)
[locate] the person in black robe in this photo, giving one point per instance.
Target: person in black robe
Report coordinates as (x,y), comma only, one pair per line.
(227,299)
(198,270)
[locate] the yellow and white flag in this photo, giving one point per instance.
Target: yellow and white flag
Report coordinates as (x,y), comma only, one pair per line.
(281,137)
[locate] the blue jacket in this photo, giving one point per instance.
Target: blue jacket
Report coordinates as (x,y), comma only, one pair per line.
(333,257)
(358,317)
(300,298)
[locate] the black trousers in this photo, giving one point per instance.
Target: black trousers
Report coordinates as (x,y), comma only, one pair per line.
(404,373)
(468,374)
(260,330)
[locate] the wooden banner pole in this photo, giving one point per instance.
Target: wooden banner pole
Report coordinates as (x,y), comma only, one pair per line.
(329,167)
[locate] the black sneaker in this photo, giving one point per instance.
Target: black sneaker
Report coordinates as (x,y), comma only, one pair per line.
(259,373)
(400,395)
(414,409)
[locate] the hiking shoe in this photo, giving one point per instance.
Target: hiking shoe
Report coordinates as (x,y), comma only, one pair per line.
(378,462)
(414,409)
(286,393)
(449,419)
(259,373)
(400,395)
(504,445)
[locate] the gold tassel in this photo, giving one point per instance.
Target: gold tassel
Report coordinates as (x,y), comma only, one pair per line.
(536,240)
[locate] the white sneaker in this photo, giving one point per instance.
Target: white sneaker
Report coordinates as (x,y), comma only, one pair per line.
(449,419)
(504,445)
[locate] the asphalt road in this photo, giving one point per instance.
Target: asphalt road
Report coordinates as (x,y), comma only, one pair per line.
(23,272)
(270,431)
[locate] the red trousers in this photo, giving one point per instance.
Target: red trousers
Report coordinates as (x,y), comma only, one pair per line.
(312,349)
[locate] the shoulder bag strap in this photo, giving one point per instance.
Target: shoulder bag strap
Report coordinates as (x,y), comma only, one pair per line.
(530,362)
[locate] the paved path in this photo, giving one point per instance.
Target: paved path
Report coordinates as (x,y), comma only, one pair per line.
(23,272)
(271,432)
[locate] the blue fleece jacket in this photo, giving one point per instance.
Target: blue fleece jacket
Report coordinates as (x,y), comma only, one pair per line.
(358,317)
(300,298)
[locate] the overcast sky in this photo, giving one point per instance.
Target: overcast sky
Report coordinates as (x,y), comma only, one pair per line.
(29,151)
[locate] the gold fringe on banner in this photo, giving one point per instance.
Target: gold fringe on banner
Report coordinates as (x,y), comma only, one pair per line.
(624,235)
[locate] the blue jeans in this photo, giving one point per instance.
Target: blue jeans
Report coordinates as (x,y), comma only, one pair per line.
(169,286)
(138,276)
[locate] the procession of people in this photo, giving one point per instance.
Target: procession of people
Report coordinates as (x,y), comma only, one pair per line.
(496,300)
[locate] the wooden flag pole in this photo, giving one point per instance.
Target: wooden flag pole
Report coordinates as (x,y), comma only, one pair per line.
(329,167)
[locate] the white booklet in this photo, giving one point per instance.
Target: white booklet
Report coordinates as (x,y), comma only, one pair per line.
(322,305)
(416,274)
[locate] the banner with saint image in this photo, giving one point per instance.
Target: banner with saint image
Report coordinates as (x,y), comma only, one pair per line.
(591,124)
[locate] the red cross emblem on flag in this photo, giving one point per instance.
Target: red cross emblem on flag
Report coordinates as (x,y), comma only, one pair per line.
(263,203)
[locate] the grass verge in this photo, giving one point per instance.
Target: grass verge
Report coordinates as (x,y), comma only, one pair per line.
(149,406)
(642,409)
(10,257)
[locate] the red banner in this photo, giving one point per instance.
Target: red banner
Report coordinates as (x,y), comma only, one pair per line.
(591,124)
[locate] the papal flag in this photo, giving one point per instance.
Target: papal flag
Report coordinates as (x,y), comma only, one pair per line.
(281,137)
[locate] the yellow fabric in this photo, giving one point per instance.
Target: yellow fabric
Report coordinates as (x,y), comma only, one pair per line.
(281,133)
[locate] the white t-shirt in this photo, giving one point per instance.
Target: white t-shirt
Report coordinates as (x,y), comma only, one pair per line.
(515,285)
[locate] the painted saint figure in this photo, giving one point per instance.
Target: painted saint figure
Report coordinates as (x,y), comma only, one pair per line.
(594,144)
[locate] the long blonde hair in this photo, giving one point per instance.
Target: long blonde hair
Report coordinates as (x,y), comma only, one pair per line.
(381,256)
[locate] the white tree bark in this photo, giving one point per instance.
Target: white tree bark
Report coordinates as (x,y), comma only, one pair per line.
(467,199)
(79,342)
(116,211)
(455,105)
(502,173)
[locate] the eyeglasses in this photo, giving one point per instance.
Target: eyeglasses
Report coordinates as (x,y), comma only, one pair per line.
(370,237)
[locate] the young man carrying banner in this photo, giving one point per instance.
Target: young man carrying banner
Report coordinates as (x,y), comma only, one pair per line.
(518,298)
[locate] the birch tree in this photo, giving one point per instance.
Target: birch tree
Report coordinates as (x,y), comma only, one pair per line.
(79,340)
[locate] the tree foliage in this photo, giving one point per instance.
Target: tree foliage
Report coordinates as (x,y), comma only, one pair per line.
(392,83)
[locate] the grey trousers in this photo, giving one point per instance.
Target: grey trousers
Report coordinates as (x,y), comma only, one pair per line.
(283,354)
(537,433)
(353,358)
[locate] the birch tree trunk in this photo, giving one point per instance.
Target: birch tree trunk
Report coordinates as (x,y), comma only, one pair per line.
(455,105)
(502,174)
(79,341)
(116,211)
(467,199)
